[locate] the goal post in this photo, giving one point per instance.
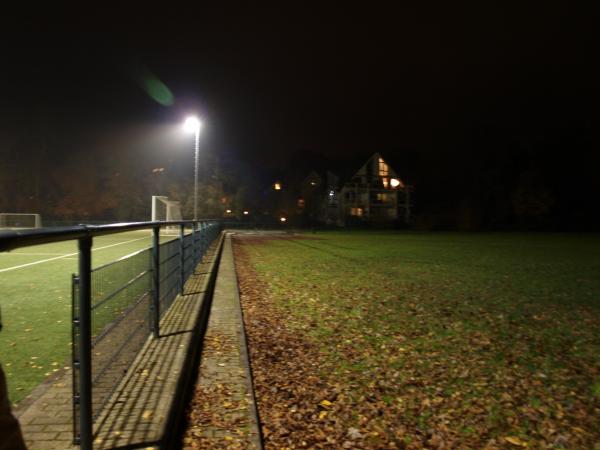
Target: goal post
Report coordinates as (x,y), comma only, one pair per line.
(20,220)
(165,210)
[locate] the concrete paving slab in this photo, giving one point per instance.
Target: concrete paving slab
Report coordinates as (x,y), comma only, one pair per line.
(224,372)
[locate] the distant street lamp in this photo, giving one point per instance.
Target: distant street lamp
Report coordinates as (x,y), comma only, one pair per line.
(193,125)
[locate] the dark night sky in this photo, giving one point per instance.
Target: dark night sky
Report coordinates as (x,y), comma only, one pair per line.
(422,84)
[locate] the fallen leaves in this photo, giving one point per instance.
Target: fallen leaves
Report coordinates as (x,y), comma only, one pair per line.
(406,366)
(515,441)
(218,414)
(354,434)
(286,373)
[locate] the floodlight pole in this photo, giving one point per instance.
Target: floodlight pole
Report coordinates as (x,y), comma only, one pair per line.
(196,148)
(193,124)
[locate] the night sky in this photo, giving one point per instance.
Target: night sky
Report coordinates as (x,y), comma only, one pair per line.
(448,93)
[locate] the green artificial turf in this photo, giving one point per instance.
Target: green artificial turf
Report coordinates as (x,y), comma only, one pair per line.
(486,336)
(36,306)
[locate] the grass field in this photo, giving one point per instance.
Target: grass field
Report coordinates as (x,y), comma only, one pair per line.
(452,340)
(36,305)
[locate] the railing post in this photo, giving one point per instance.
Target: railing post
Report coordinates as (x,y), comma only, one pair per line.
(202,239)
(155,281)
(181,257)
(75,356)
(194,249)
(85,342)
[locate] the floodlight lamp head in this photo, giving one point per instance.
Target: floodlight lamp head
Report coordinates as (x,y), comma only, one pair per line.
(192,125)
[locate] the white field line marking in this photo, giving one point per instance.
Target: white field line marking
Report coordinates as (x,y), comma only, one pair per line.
(30,254)
(67,255)
(127,256)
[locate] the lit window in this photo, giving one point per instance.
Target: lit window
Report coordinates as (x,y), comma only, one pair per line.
(277,186)
(356,212)
(382,197)
(385,182)
(301,203)
(383,168)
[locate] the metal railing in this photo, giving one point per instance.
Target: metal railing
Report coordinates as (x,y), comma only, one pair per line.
(117,306)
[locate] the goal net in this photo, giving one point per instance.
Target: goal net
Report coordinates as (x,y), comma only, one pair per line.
(165,210)
(20,220)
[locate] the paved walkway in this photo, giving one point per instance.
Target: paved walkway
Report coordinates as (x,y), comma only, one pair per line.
(224,410)
(137,413)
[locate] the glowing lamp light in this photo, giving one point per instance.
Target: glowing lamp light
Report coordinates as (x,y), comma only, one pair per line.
(282,219)
(394,182)
(277,186)
(228,211)
(246,213)
(192,124)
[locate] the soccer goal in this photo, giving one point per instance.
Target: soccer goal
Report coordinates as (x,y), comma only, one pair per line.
(165,210)
(13,221)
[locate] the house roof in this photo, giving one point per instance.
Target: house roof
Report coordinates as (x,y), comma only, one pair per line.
(352,166)
(303,163)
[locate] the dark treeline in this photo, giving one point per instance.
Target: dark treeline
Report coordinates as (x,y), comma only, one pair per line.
(537,174)
(103,187)
(503,190)
(527,159)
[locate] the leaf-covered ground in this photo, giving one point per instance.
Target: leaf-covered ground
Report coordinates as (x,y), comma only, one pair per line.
(216,415)
(442,341)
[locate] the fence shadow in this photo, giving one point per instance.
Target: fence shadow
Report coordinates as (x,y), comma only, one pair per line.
(138,411)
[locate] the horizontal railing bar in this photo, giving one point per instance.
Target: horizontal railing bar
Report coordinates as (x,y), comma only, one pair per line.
(10,240)
(169,290)
(95,269)
(115,292)
(97,339)
(117,353)
(169,274)
(169,258)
